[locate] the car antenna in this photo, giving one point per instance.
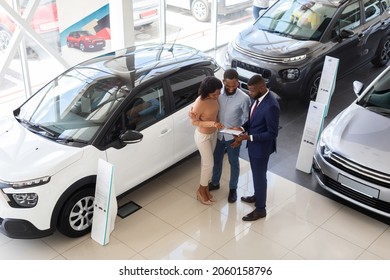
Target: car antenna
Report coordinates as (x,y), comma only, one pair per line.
(174,42)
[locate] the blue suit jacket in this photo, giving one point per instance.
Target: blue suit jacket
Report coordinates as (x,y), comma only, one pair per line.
(263,125)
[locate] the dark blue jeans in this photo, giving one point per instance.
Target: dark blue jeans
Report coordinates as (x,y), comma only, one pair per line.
(233,156)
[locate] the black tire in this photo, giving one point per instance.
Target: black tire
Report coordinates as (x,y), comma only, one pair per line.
(382,53)
(69,44)
(312,87)
(201,10)
(76,216)
(82,47)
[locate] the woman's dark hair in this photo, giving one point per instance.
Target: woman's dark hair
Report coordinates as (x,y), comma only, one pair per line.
(209,85)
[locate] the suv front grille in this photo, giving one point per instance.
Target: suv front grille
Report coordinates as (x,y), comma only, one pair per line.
(362,172)
(265,73)
(369,201)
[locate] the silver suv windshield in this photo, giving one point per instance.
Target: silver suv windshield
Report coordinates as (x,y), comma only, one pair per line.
(300,20)
(74,106)
(377,98)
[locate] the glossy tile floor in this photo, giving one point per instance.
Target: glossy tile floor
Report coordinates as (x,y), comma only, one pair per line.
(172,224)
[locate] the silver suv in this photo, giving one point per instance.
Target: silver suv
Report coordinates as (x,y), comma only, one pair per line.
(352,156)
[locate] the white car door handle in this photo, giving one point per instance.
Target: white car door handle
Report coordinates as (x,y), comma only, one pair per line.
(164,132)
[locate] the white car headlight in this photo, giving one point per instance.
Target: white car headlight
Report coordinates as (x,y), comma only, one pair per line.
(25,184)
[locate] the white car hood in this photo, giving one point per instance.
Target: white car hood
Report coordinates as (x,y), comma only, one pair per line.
(362,136)
(25,155)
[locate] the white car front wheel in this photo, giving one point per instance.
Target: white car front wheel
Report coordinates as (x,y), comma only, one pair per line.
(77,213)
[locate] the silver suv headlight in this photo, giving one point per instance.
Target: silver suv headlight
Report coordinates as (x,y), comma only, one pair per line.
(326,151)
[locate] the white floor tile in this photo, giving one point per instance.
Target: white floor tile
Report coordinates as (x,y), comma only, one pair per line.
(381,246)
(149,191)
(368,256)
(212,229)
(279,189)
(182,172)
(29,249)
(324,245)
(355,227)
(176,207)
(176,246)
(284,228)
(141,229)
(250,245)
(89,249)
(4,239)
(60,243)
(312,207)
(292,256)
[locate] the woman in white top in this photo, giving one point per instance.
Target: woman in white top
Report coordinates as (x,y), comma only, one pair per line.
(259,5)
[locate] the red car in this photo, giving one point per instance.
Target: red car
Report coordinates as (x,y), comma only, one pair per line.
(85,41)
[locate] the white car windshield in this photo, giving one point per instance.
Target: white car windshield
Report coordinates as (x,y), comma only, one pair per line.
(74,106)
(301,20)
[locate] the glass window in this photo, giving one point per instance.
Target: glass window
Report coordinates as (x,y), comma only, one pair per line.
(350,17)
(73,106)
(146,108)
(305,20)
(378,97)
(372,9)
(185,86)
(385,4)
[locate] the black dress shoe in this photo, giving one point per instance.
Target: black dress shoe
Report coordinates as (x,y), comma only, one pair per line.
(232,196)
(213,187)
(249,199)
(254,215)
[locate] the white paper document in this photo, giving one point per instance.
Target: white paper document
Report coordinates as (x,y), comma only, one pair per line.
(231,131)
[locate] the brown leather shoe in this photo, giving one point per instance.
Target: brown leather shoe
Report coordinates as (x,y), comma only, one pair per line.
(254,215)
(248,199)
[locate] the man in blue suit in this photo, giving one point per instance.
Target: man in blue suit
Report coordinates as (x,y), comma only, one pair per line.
(260,131)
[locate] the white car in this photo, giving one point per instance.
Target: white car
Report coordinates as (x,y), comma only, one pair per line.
(201,9)
(129,108)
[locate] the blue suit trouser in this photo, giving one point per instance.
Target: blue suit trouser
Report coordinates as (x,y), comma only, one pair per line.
(259,174)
